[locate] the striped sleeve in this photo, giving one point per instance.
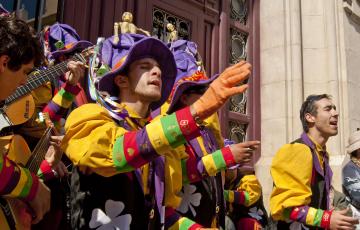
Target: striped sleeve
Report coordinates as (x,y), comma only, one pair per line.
(194,169)
(237,197)
(15,181)
(174,221)
(309,216)
(134,149)
(115,150)
(61,102)
(247,193)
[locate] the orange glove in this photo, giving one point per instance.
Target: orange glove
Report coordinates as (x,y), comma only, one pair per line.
(222,89)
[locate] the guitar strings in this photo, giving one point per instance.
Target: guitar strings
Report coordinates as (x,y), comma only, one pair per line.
(34,82)
(55,67)
(39,150)
(34,161)
(40,155)
(39,79)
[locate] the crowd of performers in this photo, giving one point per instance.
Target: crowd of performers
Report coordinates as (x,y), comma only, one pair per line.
(147,151)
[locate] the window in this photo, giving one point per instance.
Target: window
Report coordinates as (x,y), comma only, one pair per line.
(30,11)
(161,18)
(238,117)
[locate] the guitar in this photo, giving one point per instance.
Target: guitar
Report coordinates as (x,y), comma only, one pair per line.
(15,209)
(20,106)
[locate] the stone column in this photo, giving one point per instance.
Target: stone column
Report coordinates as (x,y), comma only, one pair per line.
(302,53)
(324,67)
(281,81)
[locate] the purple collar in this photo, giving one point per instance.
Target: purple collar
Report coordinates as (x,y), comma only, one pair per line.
(327,172)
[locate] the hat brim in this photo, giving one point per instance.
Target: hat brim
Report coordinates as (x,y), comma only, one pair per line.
(186,85)
(146,48)
(354,146)
(82,44)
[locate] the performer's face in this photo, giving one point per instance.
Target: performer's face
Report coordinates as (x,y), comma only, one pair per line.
(145,79)
(9,79)
(192,94)
(326,118)
(189,99)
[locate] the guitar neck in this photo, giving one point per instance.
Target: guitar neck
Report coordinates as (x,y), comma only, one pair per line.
(39,152)
(40,78)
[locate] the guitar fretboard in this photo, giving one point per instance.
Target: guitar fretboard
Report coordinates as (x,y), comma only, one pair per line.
(39,78)
(39,152)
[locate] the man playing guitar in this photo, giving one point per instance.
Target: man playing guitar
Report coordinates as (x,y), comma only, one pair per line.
(66,89)
(19,52)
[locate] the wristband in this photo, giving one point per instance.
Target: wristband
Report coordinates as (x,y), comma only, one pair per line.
(325,220)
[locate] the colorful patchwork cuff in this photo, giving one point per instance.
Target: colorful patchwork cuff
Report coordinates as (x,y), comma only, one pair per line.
(9,177)
(309,216)
(187,224)
(35,184)
(73,89)
(118,156)
(325,220)
(237,197)
(218,160)
(187,124)
(45,172)
(63,98)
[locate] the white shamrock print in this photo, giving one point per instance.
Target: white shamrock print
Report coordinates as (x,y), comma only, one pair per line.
(189,199)
(256,213)
(112,219)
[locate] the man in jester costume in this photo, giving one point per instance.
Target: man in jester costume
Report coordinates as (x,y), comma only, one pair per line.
(112,144)
(194,190)
(302,175)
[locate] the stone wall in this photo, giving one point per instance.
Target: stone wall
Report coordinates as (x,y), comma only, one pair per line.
(305,50)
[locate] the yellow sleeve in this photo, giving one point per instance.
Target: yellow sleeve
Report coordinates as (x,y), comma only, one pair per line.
(173,177)
(291,171)
(89,139)
(251,185)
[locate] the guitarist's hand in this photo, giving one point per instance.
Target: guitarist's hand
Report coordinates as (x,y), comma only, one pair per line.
(41,203)
(76,71)
(54,152)
(60,169)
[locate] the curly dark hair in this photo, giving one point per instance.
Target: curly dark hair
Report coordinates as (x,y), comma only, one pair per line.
(19,42)
(309,106)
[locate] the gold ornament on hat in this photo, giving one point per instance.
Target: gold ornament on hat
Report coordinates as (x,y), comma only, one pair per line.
(127,26)
(173,34)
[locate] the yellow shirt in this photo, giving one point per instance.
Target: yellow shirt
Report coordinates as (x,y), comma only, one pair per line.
(291,170)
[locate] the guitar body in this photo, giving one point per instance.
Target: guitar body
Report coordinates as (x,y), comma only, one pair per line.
(19,152)
(20,106)
(18,112)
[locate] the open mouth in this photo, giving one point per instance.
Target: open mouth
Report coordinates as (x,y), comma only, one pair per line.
(334,123)
(155,82)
